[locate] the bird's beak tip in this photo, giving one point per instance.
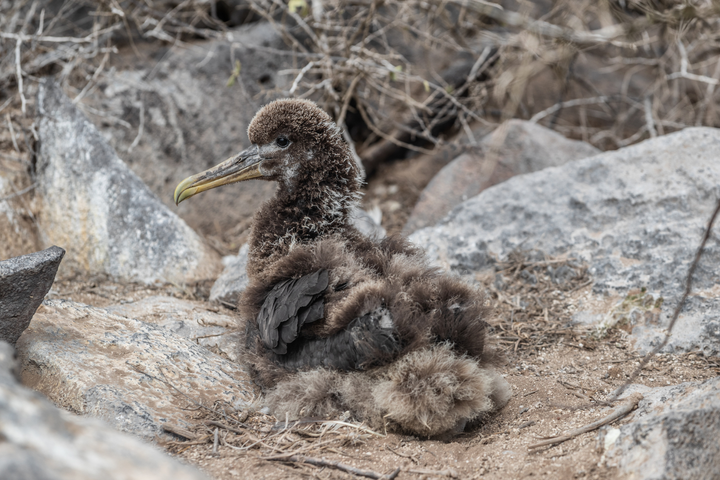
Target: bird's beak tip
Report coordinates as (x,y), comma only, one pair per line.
(183,190)
(186,193)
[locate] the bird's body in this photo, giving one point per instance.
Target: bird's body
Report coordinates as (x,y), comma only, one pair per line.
(337,321)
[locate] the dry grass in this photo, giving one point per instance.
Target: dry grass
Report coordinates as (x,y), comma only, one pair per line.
(399,76)
(531,299)
(261,437)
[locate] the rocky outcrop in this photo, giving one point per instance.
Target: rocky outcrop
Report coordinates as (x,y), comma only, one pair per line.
(635,215)
(101,212)
(24,281)
(516,147)
(135,375)
(672,434)
(40,442)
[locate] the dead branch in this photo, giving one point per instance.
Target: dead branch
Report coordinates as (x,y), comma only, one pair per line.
(216,436)
(539,27)
(436,473)
(683,73)
(215,423)
(50,39)
(179,431)
(18,59)
(17,194)
(569,103)
(626,407)
(319,462)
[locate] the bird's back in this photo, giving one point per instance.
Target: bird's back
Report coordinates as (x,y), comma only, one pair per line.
(381,300)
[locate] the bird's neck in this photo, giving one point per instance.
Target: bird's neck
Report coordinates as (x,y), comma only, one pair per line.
(301,213)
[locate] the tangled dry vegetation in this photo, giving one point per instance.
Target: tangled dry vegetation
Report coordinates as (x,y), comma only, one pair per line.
(400,74)
(253,434)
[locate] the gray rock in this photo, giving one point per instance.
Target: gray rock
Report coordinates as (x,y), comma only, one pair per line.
(672,435)
(191,320)
(635,215)
(176,116)
(135,375)
(24,281)
(41,442)
(518,146)
(101,212)
(232,282)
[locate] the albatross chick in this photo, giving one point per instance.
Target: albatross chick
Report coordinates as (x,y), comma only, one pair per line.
(336,321)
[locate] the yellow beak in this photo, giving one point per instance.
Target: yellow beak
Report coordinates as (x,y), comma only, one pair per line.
(243,166)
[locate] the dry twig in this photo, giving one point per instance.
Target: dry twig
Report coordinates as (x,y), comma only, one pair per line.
(179,431)
(626,407)
(319,462)
(435,473)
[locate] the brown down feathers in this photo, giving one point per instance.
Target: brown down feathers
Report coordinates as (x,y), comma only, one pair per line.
(442,375)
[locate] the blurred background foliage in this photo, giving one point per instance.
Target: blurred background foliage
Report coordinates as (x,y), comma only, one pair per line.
(409,75)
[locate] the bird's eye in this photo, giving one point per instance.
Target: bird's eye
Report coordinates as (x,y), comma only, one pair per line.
(282,142)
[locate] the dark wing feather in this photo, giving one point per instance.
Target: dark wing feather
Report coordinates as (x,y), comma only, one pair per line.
(366,342)
(289,305)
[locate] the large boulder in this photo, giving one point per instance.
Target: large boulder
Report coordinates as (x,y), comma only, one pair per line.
(24,281)
(635,215)
(40,441)
(135,375)
(101,212)
(672,434)
(514,148)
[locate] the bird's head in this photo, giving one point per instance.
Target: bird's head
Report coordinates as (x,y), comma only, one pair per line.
(293,141)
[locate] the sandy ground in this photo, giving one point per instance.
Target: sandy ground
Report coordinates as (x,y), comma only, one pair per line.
(552,392)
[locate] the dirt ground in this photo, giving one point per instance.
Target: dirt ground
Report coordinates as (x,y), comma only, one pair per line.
(552,392)
(557,386)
